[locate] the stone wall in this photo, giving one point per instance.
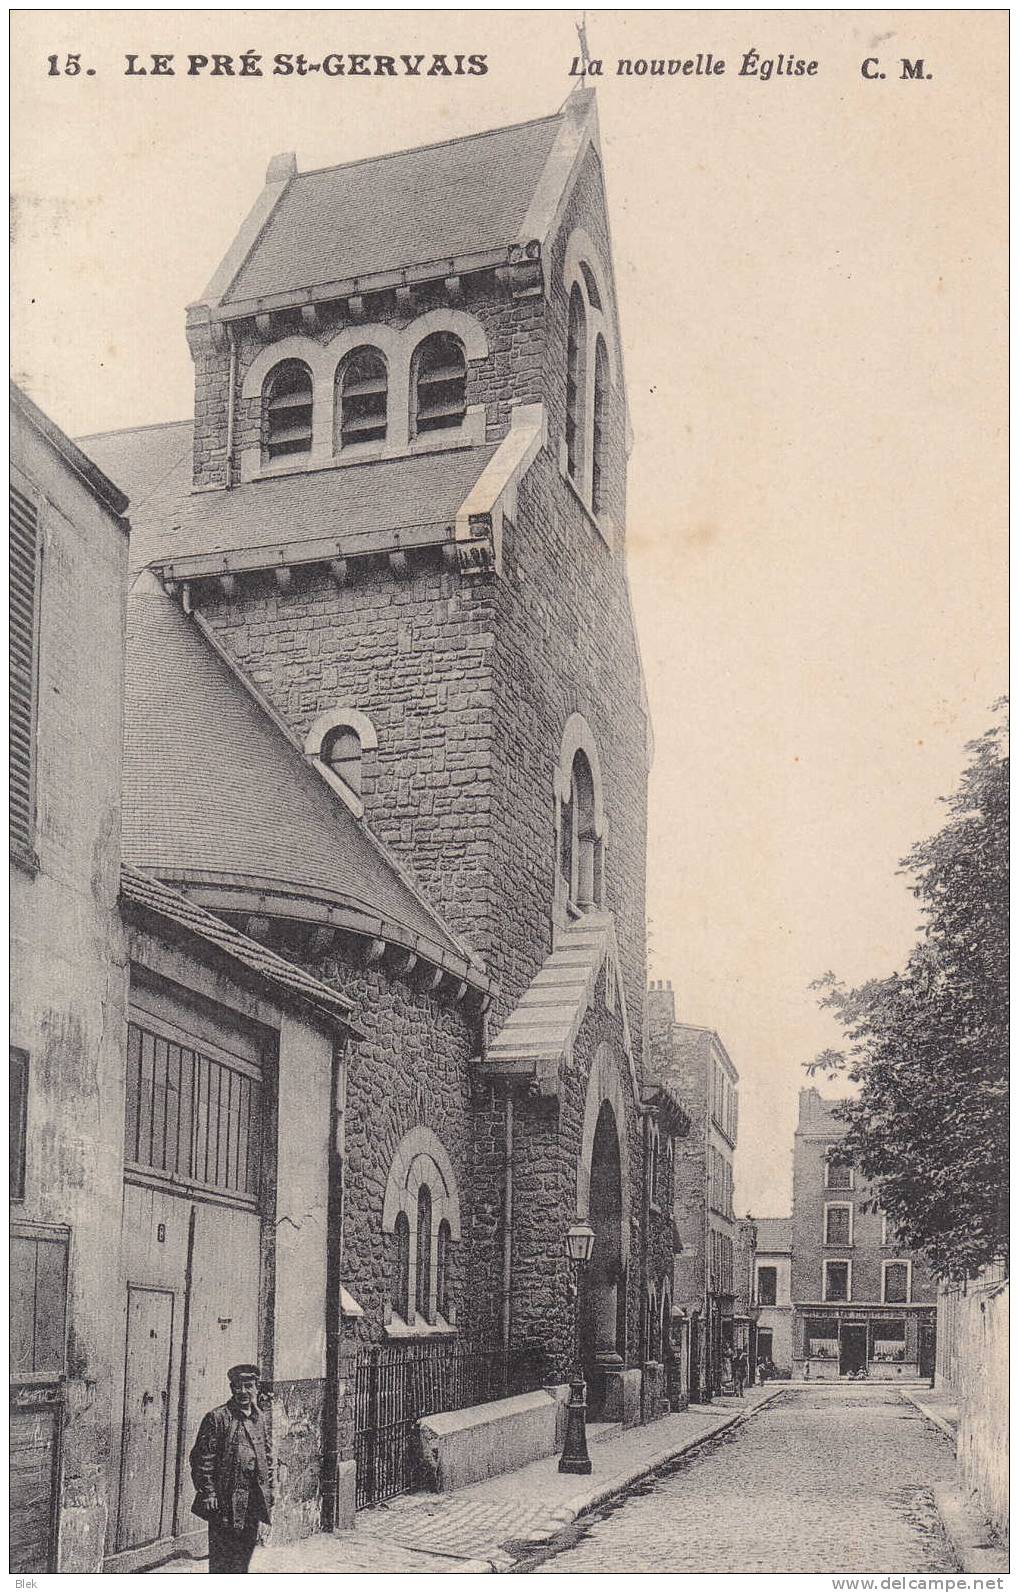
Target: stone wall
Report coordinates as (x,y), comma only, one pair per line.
(412,1068)
(973,1365)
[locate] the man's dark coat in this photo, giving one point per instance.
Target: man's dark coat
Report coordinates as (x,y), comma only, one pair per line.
(216,1469)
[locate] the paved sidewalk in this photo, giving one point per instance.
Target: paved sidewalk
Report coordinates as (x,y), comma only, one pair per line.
(489,1525)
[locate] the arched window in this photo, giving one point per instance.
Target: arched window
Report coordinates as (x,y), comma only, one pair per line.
(341,752)
(400,1291)
(599,429)
(654,1148)
(652,1326)
(286,410)
(584,883)
(362,394)
(576,384)
(422,1202)
(440,384)
(423,1289)
(442,1270)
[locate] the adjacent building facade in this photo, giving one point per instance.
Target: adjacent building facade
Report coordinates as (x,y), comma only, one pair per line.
(698,1068)
(862,1304)
(68,567)
(773,1294)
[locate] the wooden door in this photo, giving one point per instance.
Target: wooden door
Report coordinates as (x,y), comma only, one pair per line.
(222,1319)
(147,1412)
(33,1452)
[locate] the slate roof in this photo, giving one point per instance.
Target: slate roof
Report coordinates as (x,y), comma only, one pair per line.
(216,791)
(142,890)
(356,508)
(774,1233)
(414,206)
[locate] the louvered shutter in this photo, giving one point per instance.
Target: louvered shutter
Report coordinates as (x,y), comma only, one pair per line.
(24,576)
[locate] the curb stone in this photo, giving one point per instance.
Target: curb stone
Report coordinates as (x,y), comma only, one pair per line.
(568,1514)
(968,1533)
(931,1415)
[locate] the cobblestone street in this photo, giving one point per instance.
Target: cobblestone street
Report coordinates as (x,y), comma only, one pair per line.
(824,1480)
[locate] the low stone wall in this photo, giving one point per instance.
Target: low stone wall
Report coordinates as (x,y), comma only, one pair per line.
(463,1446)
(978,1357)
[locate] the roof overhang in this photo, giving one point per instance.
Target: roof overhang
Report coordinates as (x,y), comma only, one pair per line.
(255,897)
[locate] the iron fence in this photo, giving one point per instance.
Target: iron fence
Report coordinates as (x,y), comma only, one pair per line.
(396,1384)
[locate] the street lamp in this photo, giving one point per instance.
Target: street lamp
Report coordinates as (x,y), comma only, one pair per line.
(579,1245)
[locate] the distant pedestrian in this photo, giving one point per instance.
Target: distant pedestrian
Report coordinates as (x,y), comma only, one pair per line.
(763,1370)
(739,1372)
(232,1472)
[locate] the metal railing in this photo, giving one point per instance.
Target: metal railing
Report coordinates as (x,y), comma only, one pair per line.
(396,1384)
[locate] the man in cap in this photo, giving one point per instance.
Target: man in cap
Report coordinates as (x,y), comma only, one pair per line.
(232,1473)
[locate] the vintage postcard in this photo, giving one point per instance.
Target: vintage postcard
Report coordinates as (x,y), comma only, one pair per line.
(508,792)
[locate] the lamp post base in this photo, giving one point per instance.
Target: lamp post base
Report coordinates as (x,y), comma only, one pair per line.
(575,1458)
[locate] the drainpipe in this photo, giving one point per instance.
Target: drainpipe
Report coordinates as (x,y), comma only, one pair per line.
(230,401)
(334,1393)
(645,1344)
(507,1228)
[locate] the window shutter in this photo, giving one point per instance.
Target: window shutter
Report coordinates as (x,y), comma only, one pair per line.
(24,578)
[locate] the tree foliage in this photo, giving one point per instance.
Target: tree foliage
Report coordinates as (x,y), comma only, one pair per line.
(929,1047)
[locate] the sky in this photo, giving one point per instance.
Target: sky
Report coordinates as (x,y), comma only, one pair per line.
(811,274)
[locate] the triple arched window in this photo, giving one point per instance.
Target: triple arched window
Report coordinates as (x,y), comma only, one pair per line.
(421,1214)
(382,397)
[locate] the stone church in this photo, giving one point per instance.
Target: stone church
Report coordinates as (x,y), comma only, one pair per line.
(385,718)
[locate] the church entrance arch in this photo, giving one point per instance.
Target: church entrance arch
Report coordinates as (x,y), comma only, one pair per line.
(603,1199)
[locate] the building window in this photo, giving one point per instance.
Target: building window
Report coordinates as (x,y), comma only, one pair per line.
(191,1117)
(341,752)
(580,859)
(18,1121)
(336,744)
(362,396)
(442,1270)
(895,1282)
(838,1224)
(24,664)
(400,1287)
(836,1280)
(422,1210)
(654,1152)
(576,383)
(888,1341)
(767,1285)
(287,410)
(599,433)
(423,1287)
(822,1338)
(838,1175)
(440,383)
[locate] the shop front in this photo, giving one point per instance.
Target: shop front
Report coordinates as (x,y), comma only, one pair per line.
(889,1343)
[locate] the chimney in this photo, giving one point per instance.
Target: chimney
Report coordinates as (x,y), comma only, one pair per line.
(661,1007)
